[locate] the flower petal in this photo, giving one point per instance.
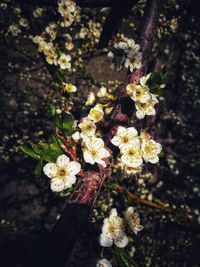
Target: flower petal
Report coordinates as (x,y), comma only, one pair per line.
(88,157)
(50,170)
(62,160)
(105,241)
(57,185)
(69,181)
(73,167)
(121,240)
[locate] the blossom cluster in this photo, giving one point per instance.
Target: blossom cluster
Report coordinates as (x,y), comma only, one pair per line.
(132,53)
(134,148)
(68,10)
(94,150)
(51,53)
(113,230)
(144,100)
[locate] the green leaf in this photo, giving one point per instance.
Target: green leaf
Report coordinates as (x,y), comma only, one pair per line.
(123,259)
(49,156)
(30,152)
(111,186)
(38,168)
(155,90)
(161,154)
(67,122)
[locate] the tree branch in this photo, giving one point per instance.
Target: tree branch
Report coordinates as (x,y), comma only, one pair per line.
(73,220)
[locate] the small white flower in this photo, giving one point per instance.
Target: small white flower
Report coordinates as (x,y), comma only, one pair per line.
(67,20)
(138,93)
(133,220)
(64,61)
(150,151)
(37,12)
(113,231)
(69,88)
(148,108)
(133,60)
(124,136)
(69,45)
(88,128)
(96,113)
(102,92)
(94,151)
(103,263)
(66,6)
(131,154)
(62,173)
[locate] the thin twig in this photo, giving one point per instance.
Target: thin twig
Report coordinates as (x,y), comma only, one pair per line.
(132,196)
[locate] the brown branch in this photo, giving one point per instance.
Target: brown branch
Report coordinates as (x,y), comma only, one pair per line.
(132,196)
(73,220)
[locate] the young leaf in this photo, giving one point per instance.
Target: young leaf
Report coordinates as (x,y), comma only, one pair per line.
(38,168)
(30,152)
(67,122)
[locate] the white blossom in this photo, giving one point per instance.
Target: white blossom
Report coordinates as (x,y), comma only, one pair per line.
(148,108)
(113,231)
(131,154)
(62,173)
(124,136)
(96,113)
(69,88)
(64,61)
(150,151)
(88,128)
(133,220)
(103,263)
(66,6)
(94,151)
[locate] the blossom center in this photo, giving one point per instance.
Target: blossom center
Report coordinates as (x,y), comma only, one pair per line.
(61,173)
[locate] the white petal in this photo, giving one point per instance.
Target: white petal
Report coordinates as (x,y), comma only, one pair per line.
(140,115)
(121,241)
(57,185)
(121,130)
(88,157)
(73,167)
(62,160)
(115,140)
(126,160)
(101,162)
(132,131)
(69,181)
(103,263)
(144,98)
(154,160)
(105,241)
(50,170)
(113,212)
(151,111)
